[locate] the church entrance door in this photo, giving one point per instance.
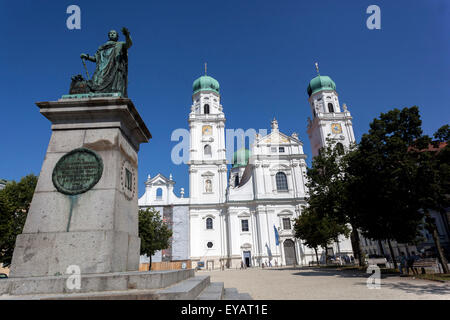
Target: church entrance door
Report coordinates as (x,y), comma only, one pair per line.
(289,252)
(247,259)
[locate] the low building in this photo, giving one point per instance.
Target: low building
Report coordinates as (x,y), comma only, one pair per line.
(3,183)
(174,211)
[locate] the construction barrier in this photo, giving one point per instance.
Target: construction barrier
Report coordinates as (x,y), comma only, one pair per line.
(167,265)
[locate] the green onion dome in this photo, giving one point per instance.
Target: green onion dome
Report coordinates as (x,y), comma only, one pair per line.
(205,83)
(320,83)
(240,158)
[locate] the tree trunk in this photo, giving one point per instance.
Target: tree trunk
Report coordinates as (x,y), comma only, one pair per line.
(433,230)
(317,256)
(324,249)
(407,250)
(445,218)
(150,263)
(392,254)
(338,251)
(381,248)
(356,246)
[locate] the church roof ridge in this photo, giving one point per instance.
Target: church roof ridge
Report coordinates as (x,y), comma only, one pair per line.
(284,135)
(159,176)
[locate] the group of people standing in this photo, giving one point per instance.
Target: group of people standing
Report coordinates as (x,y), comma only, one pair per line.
(407,263)
(264,264)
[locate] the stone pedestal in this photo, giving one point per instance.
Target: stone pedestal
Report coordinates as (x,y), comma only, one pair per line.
(96,230)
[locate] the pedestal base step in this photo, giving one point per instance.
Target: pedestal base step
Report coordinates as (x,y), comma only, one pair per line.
(214,291)
(117,281)
(233,294)
(187,289)
(217,291)
(160,285)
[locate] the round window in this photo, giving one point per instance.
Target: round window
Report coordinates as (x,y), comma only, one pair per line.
(209,244)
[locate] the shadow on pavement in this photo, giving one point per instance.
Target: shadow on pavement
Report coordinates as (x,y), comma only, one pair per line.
(411,287)
(314,271)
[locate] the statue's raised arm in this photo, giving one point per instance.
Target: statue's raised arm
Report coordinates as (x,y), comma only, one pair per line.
(128,41)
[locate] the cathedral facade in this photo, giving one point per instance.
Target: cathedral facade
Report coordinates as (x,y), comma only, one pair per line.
(244,214)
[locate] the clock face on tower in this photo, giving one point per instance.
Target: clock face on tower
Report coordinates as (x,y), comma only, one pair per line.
(207,130)
(336,128)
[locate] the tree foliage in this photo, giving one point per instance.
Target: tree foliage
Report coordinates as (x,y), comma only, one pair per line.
(326,183)
(433,175)
(383,176)
(15,200)
(154,233)
(317,231)
(327,201)
(433,181)
(397,178)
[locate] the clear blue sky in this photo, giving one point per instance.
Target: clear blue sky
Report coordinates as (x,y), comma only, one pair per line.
(261,52)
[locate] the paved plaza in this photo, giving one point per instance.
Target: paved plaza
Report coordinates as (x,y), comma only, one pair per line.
(314,283)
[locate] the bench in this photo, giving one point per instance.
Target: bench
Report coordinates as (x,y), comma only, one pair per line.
(425,263)
(381,262)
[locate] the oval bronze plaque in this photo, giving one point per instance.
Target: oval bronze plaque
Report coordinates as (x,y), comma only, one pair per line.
(77,171)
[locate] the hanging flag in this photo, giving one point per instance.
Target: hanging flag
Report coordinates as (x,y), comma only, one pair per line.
(277,237)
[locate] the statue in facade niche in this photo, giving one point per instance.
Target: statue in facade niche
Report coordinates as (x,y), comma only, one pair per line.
(208,186)
(111,72)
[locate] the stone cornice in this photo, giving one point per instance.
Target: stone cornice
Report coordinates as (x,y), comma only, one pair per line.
(95,113)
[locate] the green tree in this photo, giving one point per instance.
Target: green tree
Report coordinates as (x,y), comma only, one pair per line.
(328,191)
(317,231)
(382,179)
(154,233)
(15,200)
(433,181)
(443,134)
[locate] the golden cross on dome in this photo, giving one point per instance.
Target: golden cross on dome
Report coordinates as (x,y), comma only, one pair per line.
(206,67)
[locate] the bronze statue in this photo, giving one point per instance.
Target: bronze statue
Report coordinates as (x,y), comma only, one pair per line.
(111,72)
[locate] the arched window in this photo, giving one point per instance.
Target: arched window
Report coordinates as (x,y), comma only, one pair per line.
(236,180)
(330,107)
(209,223)
(206,109)
(207,150)
(340,148)
(159,193)
(281,181)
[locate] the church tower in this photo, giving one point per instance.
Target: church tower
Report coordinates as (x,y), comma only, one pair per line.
(329,120)
(207,162)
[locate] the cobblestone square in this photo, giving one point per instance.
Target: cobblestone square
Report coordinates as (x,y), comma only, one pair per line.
(313,283)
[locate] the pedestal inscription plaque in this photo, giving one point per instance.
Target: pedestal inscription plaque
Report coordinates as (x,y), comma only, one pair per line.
(77,171)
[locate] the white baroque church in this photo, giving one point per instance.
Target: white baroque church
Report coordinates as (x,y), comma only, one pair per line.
(244,214)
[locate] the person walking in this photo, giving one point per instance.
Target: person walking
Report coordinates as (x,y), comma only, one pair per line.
(403,264)
(411,260)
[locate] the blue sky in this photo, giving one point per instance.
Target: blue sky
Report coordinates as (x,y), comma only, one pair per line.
(261,52)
